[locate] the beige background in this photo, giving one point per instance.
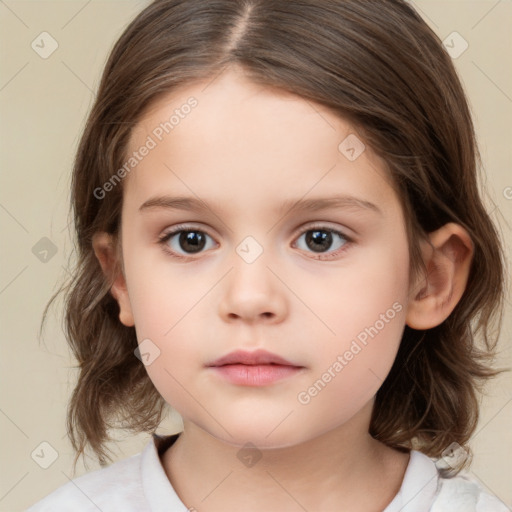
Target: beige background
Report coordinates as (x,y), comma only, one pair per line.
(43,105)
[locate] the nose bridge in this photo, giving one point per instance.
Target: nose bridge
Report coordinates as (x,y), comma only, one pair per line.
(251,276)
(252,290)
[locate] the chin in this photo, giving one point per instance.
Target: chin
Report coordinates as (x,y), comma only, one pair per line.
(261,434)
(259,440)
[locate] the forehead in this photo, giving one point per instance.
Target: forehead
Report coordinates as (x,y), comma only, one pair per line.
(235,111)
(232,139)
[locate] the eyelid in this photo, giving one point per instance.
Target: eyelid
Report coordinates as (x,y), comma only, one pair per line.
(319,225)
(326,226)
(185,227)
(312,225)
(178,228)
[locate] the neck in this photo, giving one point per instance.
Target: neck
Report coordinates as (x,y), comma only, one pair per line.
(343,469)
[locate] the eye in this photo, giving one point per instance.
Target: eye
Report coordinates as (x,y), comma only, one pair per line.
(184,241)
(320,239)
(190,241)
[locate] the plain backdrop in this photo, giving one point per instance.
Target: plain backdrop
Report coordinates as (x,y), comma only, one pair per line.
(43,106)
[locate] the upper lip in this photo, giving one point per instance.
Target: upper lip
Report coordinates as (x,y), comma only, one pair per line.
(251,358)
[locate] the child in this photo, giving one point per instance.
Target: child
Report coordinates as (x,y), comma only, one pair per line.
(281,237)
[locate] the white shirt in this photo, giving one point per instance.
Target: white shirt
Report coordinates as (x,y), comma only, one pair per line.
(139,483)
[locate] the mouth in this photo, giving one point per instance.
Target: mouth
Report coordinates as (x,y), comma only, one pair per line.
(258,368)
(258,357)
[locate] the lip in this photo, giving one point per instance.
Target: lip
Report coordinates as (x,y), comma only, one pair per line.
(257,357)
(258,368)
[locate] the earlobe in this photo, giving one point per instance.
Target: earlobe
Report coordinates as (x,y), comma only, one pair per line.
(447,260)
(105,251)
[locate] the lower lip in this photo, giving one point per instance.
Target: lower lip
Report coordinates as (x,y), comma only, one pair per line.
(255,375)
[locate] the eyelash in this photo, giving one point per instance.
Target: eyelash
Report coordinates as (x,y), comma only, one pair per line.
(164,238)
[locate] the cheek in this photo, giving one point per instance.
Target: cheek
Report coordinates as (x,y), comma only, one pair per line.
(348,373)
(163,307)
(162,292)
(366,310)
(369,294)
(164,321)
(166,305)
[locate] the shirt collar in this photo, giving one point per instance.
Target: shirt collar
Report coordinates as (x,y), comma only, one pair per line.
(417,492)
(419,486)
(158,491)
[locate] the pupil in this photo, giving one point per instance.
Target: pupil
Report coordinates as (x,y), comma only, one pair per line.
(319,237)
(191,241)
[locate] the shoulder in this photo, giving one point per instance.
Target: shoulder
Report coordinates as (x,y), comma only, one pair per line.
(425,490)
(135,484)
(463,494)
(116,487)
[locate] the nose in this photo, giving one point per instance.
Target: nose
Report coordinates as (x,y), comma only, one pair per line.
(252,293)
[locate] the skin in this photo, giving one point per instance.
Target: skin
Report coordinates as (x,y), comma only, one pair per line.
(244,150)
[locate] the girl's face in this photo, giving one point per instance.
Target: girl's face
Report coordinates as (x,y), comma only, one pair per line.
(263,177)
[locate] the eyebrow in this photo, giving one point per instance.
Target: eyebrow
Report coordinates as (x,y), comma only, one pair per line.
(289,206)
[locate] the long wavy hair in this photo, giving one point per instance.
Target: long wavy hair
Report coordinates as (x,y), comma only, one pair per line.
(374,63)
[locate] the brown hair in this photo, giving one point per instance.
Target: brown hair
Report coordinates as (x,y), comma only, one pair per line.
(376,64)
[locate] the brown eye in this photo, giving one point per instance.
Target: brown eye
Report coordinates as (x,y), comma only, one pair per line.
(191,241)
(183,242)
(322,241)
(318,240)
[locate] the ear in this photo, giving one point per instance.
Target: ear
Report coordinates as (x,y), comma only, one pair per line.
(448,261)
(105,251)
